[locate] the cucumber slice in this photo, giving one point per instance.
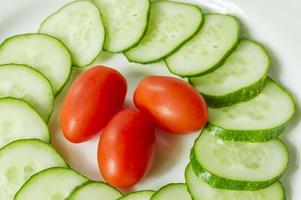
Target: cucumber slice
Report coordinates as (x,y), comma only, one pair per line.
(238,165)
(42,52)
(170,25)
(28,84)
(79,26)
(18,120)
(202,191)
(206,50)
(140,195)
(125,22)
(20,160)
(259,119)
(240,78)
(95,191)
(174,191)
(53,183)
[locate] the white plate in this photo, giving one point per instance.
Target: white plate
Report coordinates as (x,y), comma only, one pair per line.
(276,24)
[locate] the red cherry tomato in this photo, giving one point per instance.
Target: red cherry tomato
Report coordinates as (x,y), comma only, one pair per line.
(92,100)
(174,105)
(126,148)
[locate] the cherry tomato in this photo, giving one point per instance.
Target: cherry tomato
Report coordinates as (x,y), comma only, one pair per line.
(174,105)
(126,148)
(92,100)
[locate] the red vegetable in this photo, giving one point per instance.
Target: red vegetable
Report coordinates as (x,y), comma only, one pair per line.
(126,148)
(92,100)
(174,105)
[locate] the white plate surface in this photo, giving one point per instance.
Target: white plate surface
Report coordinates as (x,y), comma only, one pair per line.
(276,24)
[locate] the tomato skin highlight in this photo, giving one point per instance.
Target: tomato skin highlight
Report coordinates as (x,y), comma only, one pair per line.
(174,105)
(92,100)
(126,148)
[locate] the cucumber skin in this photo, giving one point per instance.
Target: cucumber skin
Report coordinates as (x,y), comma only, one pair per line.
(229,184)
(247,135)
(135,193)
(45,170)
(217,64)
(53,14)
(84,184)
(38,72)
(36,140)
(55,93)
(163,188)
(175,49)
(134,44)
(283,191)
(243,94)
(262,135)
(193,198)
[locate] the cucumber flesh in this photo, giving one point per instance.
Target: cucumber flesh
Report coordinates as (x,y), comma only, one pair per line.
(18,120)
(238,165)
(125,22)
(95,191)
(42,52)
(259,119)
(79,26)
(176,191)
(240,78)
(53,183)
(170,25)
(208,48)
(202,191)
(25,83)
(20,160)
(140,195)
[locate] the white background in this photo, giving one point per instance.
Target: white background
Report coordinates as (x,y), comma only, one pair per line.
(274,23)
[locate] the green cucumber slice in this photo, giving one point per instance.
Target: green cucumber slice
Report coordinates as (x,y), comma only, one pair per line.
(125,22)
(95,191)
(18,120)
(259,119)
(140,195)
(208,48)
(53,183)
(21,159)
(25,83)
(42,52)
(174,191)
(238,165)
(79,26)
(240,78)
(170,25)
(202,191)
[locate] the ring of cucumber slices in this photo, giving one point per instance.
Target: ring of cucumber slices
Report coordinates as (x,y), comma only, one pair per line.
(237,156)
